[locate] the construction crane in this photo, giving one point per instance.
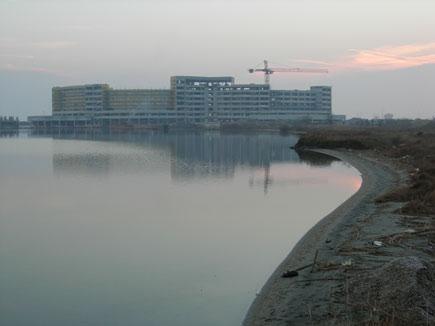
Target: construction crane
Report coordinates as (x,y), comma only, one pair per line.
(269,71)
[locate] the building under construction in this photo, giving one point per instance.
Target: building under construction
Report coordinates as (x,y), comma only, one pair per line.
(190,100)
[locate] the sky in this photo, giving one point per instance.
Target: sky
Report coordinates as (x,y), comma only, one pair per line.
(380,55)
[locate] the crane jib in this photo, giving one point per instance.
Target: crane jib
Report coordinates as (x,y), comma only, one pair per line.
(268,71)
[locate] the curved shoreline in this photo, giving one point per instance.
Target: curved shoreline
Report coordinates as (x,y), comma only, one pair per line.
(281,300)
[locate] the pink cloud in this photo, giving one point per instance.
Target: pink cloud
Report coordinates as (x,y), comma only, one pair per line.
(375,61)
(27,57)
(84,28)
(316,62)
(11,67)
(382,58)
(53,45)
(15,42)
(392,57)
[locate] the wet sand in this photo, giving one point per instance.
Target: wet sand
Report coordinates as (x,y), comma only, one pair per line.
(318,296)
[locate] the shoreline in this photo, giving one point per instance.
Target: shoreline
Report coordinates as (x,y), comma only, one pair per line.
(283,300)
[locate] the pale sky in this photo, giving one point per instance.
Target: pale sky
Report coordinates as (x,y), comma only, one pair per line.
(380,54)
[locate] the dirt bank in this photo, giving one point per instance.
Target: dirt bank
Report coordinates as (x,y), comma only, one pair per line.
(346,248)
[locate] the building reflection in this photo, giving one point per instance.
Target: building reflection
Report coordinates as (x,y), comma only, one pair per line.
(215,155)
(192,155)
(9,133)
(88,164)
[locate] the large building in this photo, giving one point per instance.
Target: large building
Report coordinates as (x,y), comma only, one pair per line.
(189,100)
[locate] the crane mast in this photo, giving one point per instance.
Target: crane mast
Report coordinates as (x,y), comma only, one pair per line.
(269,71)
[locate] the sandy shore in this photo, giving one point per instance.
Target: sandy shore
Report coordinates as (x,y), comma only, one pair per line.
(318,297)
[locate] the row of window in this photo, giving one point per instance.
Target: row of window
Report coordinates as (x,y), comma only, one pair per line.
(140,99)
(71,89)
(76,94)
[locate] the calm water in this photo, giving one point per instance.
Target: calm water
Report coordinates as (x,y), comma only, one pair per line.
(152,229)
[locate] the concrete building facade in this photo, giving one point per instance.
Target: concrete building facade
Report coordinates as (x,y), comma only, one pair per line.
(201,99)
(189,100)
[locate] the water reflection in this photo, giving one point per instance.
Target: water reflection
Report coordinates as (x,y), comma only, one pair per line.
(150,228)
(315,158)
(192,155)
(76,164)
(8,133)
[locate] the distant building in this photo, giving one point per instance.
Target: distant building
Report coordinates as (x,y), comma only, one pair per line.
(189,100)
(9,123)
(79,98)
(338,118)
(200,99)
(357,122)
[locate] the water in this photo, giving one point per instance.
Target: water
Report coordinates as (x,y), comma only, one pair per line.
(152,229)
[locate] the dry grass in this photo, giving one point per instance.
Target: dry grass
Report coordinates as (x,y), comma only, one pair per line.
(410,144)
(400,194)
(405,299)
